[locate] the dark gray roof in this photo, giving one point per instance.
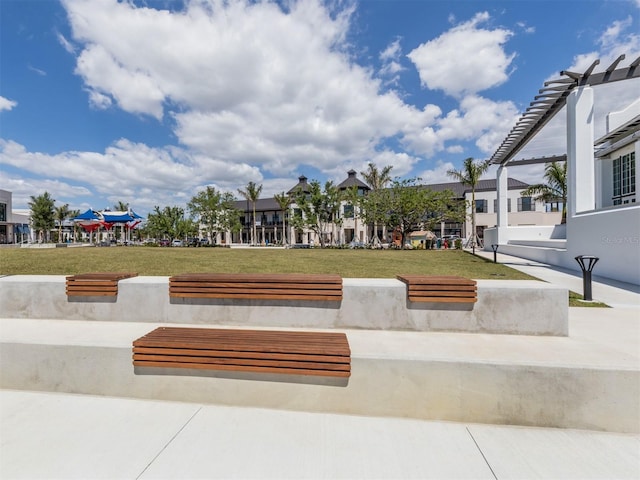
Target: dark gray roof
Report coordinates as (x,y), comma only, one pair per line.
(302,184)
(483,186)
(262,205)
(352,180)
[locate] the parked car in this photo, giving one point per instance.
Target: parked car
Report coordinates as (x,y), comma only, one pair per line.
(177,243)
(164,243)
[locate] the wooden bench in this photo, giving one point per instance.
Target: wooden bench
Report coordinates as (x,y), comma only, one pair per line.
(95,284)
(257,286)
(449,289)
(262,351)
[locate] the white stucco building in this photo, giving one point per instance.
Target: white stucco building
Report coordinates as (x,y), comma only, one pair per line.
(603,215)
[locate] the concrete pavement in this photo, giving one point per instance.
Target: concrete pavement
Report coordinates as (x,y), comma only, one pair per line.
(64,436)
(54,435)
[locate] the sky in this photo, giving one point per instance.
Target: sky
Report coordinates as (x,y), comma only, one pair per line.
(149,102)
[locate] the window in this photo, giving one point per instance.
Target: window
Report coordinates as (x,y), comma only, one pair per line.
(495,205)
(3,212)
(624,177)
(553,207)
(481,206)
(348,211)
(526,204)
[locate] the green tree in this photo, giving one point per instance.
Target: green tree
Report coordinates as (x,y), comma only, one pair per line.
(61,213)
(42,215)
(470,176)
(74,214)
(121,206)
(214,210)
(284,201)
(168,222)
(554,190)
(319,208)
(377,180)
(353,198)
(443,206)
(408,206)
(252,194)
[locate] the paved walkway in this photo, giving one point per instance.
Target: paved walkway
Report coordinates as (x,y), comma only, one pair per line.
(55,435)
(611,292)
(52,435)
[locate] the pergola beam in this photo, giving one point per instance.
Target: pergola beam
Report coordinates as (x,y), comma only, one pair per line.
(552,98)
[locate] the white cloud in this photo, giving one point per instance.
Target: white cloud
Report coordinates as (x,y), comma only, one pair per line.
(66,44)
(6,104)
(390,59)
(269,87)
(615,40)
(438,174)
(38,71)
(131,172)
(464,60)
(23,188)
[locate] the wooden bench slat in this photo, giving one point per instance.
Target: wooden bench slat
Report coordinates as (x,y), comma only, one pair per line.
(242,362)
(246,368)
(95,284)
(245,350)
(248,296)
(440,288)
(256,288)
(307,357)
(259,286)
(250,283)
(259,277)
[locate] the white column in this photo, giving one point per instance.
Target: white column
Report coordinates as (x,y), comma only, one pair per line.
(502,186)
(580,158)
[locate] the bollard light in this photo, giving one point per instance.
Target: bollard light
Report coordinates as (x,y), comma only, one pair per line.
(494,247)
(586,262)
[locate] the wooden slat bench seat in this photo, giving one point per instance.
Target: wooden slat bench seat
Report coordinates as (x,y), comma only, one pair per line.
(95,284)
(257,286)
(262,351)
(450,289)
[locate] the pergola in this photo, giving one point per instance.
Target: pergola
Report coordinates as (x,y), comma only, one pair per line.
(573,91)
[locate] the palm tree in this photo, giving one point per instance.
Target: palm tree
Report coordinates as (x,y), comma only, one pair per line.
(377,180)
(252,193)
(61,213)
(555,189)
(470,176)
(121,207)
(283,201)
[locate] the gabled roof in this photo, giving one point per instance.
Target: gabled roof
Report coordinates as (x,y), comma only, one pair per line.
(352,180)
(301,185)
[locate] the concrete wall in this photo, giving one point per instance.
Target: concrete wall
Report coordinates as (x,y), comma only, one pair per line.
(377,304)
(487,379)
(613,235)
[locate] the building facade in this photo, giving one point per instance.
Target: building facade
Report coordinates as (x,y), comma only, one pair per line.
(14,226)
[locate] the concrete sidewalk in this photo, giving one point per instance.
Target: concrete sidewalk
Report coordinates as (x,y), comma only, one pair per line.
(61,436)
(611,292)
(53,435)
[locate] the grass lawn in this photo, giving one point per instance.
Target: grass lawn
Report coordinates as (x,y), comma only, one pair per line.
(170,261)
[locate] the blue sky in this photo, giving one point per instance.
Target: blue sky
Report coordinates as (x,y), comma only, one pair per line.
(146,102)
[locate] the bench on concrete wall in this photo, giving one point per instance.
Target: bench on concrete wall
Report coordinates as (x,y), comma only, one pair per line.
(95,284)
(257,286)
(261,351)
(440,289)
